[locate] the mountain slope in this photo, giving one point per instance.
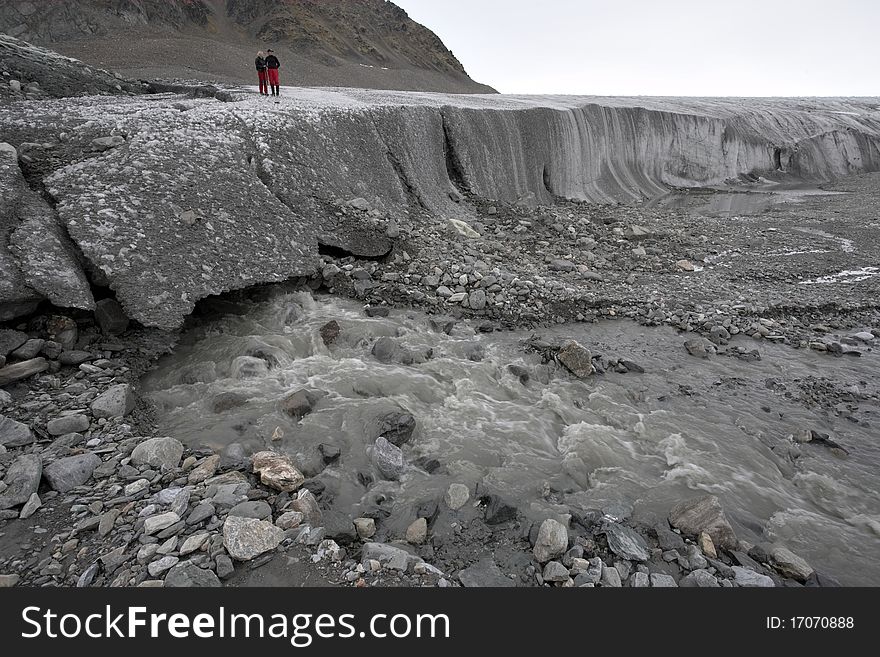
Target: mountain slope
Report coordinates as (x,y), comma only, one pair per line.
(361,43)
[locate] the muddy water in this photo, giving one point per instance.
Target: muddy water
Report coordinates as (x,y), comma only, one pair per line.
(739,201)
(626,443)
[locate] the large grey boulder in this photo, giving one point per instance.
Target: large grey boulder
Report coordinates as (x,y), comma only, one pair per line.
(68,473)
(246,538)
(116,401)
(577,359)
(22,480)
(158,453)
(704,514)
(388,459)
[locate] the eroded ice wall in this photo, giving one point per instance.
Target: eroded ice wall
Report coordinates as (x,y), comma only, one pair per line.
(198,196)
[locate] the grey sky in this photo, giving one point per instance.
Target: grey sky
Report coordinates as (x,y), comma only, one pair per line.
(663,47)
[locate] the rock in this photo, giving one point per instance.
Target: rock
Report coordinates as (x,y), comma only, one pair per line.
(388,459)
(277,471)
(626,543)
(749,578)
(116,401)
(463,229)
(329,332)
(246,538)
(788,564)
(15,85)
(477,300)
(456,496)
(552,540)
(30,507)
(366,527)
(226,401)
(685,265)
(11,340)
(22,480)
(20,371)
(8,581)
(188,575)
(252,509)
(29,349)
(635,233)
(301,403)
(704,514)
(160,566)
(225,567)
(639,581)
(389,556)
(200,513)
(385,349)
(14,434)
(497,510)
(161,453)
(329,453)
(699,347)
(417,532)
(576,359)
(359,204)
(157,523)
(111,317)
(397,427)
(610,577)
(699,579)
(74,357)
(485,574)
(204,470)
(661,581)
(102,144)
(706,545)
(193,543)
(306,504)
(377,311)
(67,424)
(289,520)
(68,473)
(555,572)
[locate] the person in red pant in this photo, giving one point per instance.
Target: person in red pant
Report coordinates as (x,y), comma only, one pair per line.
(260,63)
(272,65)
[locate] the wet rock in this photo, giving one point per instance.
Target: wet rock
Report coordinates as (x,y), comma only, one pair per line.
(485,574)
(329,453)
(116,401)
(277,471)
(377,311)
(519,372)
(385,349)
(396,426)
(111,317)
(14,434)
(158,453)
(20,371)
(205,372)
(551,542)
(576,359)
(749,578)
(388,459)
(704,514)
(252,509)
(626,543)
(226,401)
(329,332)
(68,473)
(417,532)
(456,496)
(788,564)
(301,403)
(699,579)
(247,538)
(699,347)
(188,575)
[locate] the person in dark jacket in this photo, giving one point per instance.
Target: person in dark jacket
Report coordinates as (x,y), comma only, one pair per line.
(260,63)
(272,66)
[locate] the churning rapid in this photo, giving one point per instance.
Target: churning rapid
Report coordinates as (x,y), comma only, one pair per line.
(629,444)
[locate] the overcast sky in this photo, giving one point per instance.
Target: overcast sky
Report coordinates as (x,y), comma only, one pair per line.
(663,47)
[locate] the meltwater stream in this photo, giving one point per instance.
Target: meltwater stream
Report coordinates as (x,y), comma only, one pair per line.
(626,443)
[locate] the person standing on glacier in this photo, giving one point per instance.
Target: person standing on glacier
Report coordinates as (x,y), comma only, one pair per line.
(272,64)
(260,63)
